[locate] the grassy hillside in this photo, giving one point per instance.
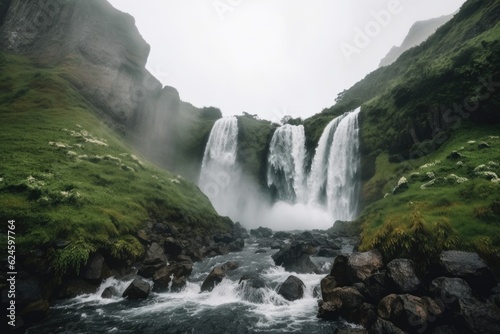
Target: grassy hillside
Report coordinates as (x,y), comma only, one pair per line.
(439,97)
(65,176)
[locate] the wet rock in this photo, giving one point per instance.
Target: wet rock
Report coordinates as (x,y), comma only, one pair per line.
(327,252)
(261,232)
(449,290)
(178,283)
(343,302)
(356,267)
(138,289)
(470,267)
(260,251)
(292,289)
(295,258)
(96,268)
(252,280)
(155,251)
(328,284)
(376,287)
(216,275)
(282,235)
(110,292)
(408,312)
(277,245)
(479,317)
(237,245)
(224,238)
(77,287)
(402,276)
(150,268)
(172,247)
(161,279)
(386,327)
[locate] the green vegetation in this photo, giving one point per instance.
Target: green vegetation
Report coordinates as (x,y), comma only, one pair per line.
(435,99)
(254,137)
(65,176)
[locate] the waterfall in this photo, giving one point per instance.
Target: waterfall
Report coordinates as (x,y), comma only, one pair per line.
(286,172)
(317,181)
(333,177)
(343,165)
(219,169)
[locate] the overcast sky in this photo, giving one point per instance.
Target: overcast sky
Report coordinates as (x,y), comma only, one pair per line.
(272,57)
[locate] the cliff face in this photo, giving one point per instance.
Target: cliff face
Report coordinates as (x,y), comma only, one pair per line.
(100,51)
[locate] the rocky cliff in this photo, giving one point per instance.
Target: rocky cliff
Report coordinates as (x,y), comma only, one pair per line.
(100,51)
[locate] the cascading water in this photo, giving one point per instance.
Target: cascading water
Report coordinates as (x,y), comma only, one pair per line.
(317,181)
(333,178)
(343,165)
(286,172)
(219,170)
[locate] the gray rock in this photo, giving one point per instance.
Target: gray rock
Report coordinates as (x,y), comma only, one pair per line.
(479,317)
(216,276)
(401,274)
(449,290)
(295,258)
(261,232)
(386,327)
(343,303)
(470,267)
(137,289)
(376,287)
(110,292)
(292,289)
(356,267)
(155,251)
(96,268)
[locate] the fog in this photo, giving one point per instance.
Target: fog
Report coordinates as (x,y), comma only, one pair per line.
(272,57)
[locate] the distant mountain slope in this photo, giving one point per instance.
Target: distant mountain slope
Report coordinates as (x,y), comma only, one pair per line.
(418,33)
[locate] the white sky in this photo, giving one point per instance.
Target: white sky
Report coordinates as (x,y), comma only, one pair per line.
(270,57)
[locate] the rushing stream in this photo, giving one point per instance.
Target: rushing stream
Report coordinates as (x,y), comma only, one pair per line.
(230,308)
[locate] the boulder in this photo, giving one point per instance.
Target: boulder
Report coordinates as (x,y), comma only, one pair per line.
(110,292)
(376,287)
(470,267)
(237,245)
(96,268)
(178,283)
(454,155)
(252,280)
(327,285)
(478,317)
(408,312)
(328,252)
(402,276)
(449,290)
(386,327)
(137,289)
(295,258)
(344,302)
(261,232)
(161,279)
(356,267)
(216,276)
(282,235)
(77,287)
(155,251)
(345,229)
(172,247)
(292,289)
(260,251)
(401,186)
(150,267)
(224,238)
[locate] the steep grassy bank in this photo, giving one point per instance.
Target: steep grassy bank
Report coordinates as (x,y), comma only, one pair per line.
(65,176)
(439,97)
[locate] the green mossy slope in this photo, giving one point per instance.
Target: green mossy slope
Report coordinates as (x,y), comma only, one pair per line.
(66,176)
